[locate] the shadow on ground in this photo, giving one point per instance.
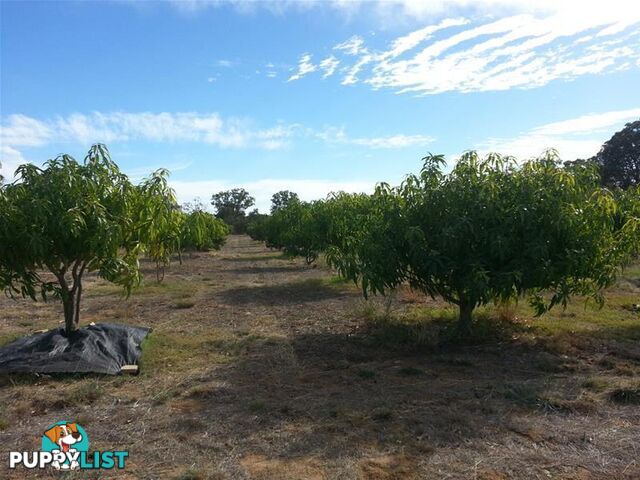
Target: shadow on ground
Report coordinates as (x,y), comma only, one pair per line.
(331,396)
(306,291)
(269,270)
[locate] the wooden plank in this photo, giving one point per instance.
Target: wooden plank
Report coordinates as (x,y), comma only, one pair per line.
(129,369)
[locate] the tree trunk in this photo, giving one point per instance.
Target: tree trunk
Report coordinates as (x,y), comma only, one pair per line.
(465,320)
(71,304)
(159,272)
(71,296)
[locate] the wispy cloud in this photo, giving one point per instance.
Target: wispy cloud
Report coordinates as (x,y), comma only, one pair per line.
(10,159)
(224,63)
(304,67)
(337,135)
(515,51)
(23,131)
(353,46)
(20,130)
(579,137)
(144,171)
(329,66)
(590,123)
(396,12)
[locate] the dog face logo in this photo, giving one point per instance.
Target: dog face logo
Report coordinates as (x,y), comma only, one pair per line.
(66,438)
(64,435)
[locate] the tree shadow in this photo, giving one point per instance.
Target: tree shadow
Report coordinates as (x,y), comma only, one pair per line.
(331,396)
(305,291)
(269,269)
(261,257)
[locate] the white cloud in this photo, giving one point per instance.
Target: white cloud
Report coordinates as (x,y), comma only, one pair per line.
(415,38)
(591,123)
(262,190)
(531,145)
(329,66)
(18,131)
(515,47)
(394,12)
(24,131)
(304,67)
(10,159)
(394,141)
(351,76)
(225,63)
(338,135)
(141,172)
(579,137)
(21,130)
(353,46)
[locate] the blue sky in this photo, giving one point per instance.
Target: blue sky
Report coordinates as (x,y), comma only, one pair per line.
(311,96)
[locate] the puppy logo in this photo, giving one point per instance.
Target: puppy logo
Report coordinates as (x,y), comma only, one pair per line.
(66,438)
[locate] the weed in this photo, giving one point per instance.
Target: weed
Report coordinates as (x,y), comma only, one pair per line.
(382,414)
(6,339)
(561,405)
(257,406)
(523,395)
(411,371)
(86,393)
(366,374)
(191,474)
(596,384)
(626,396)
(184,304)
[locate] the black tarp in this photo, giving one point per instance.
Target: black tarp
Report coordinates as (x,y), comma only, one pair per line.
(99,348)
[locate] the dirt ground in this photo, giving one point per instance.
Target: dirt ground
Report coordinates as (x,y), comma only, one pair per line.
(262,367)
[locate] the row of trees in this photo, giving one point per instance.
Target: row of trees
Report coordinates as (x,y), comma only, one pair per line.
(490,230)
(232,205)
(69,218)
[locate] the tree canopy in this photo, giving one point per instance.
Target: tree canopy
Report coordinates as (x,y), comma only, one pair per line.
(160,218)
(282,198)
(619,158)
(231,207)
(68,218)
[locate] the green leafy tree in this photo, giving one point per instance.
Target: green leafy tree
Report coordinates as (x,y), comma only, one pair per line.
(490,231)
(256,225)
(282,199)
(626,217)
(297,229)
(231,207)
(161,220)
(201,231)
(619,158)
(68,218)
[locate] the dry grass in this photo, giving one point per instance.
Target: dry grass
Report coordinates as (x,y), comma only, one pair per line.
(262,367)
